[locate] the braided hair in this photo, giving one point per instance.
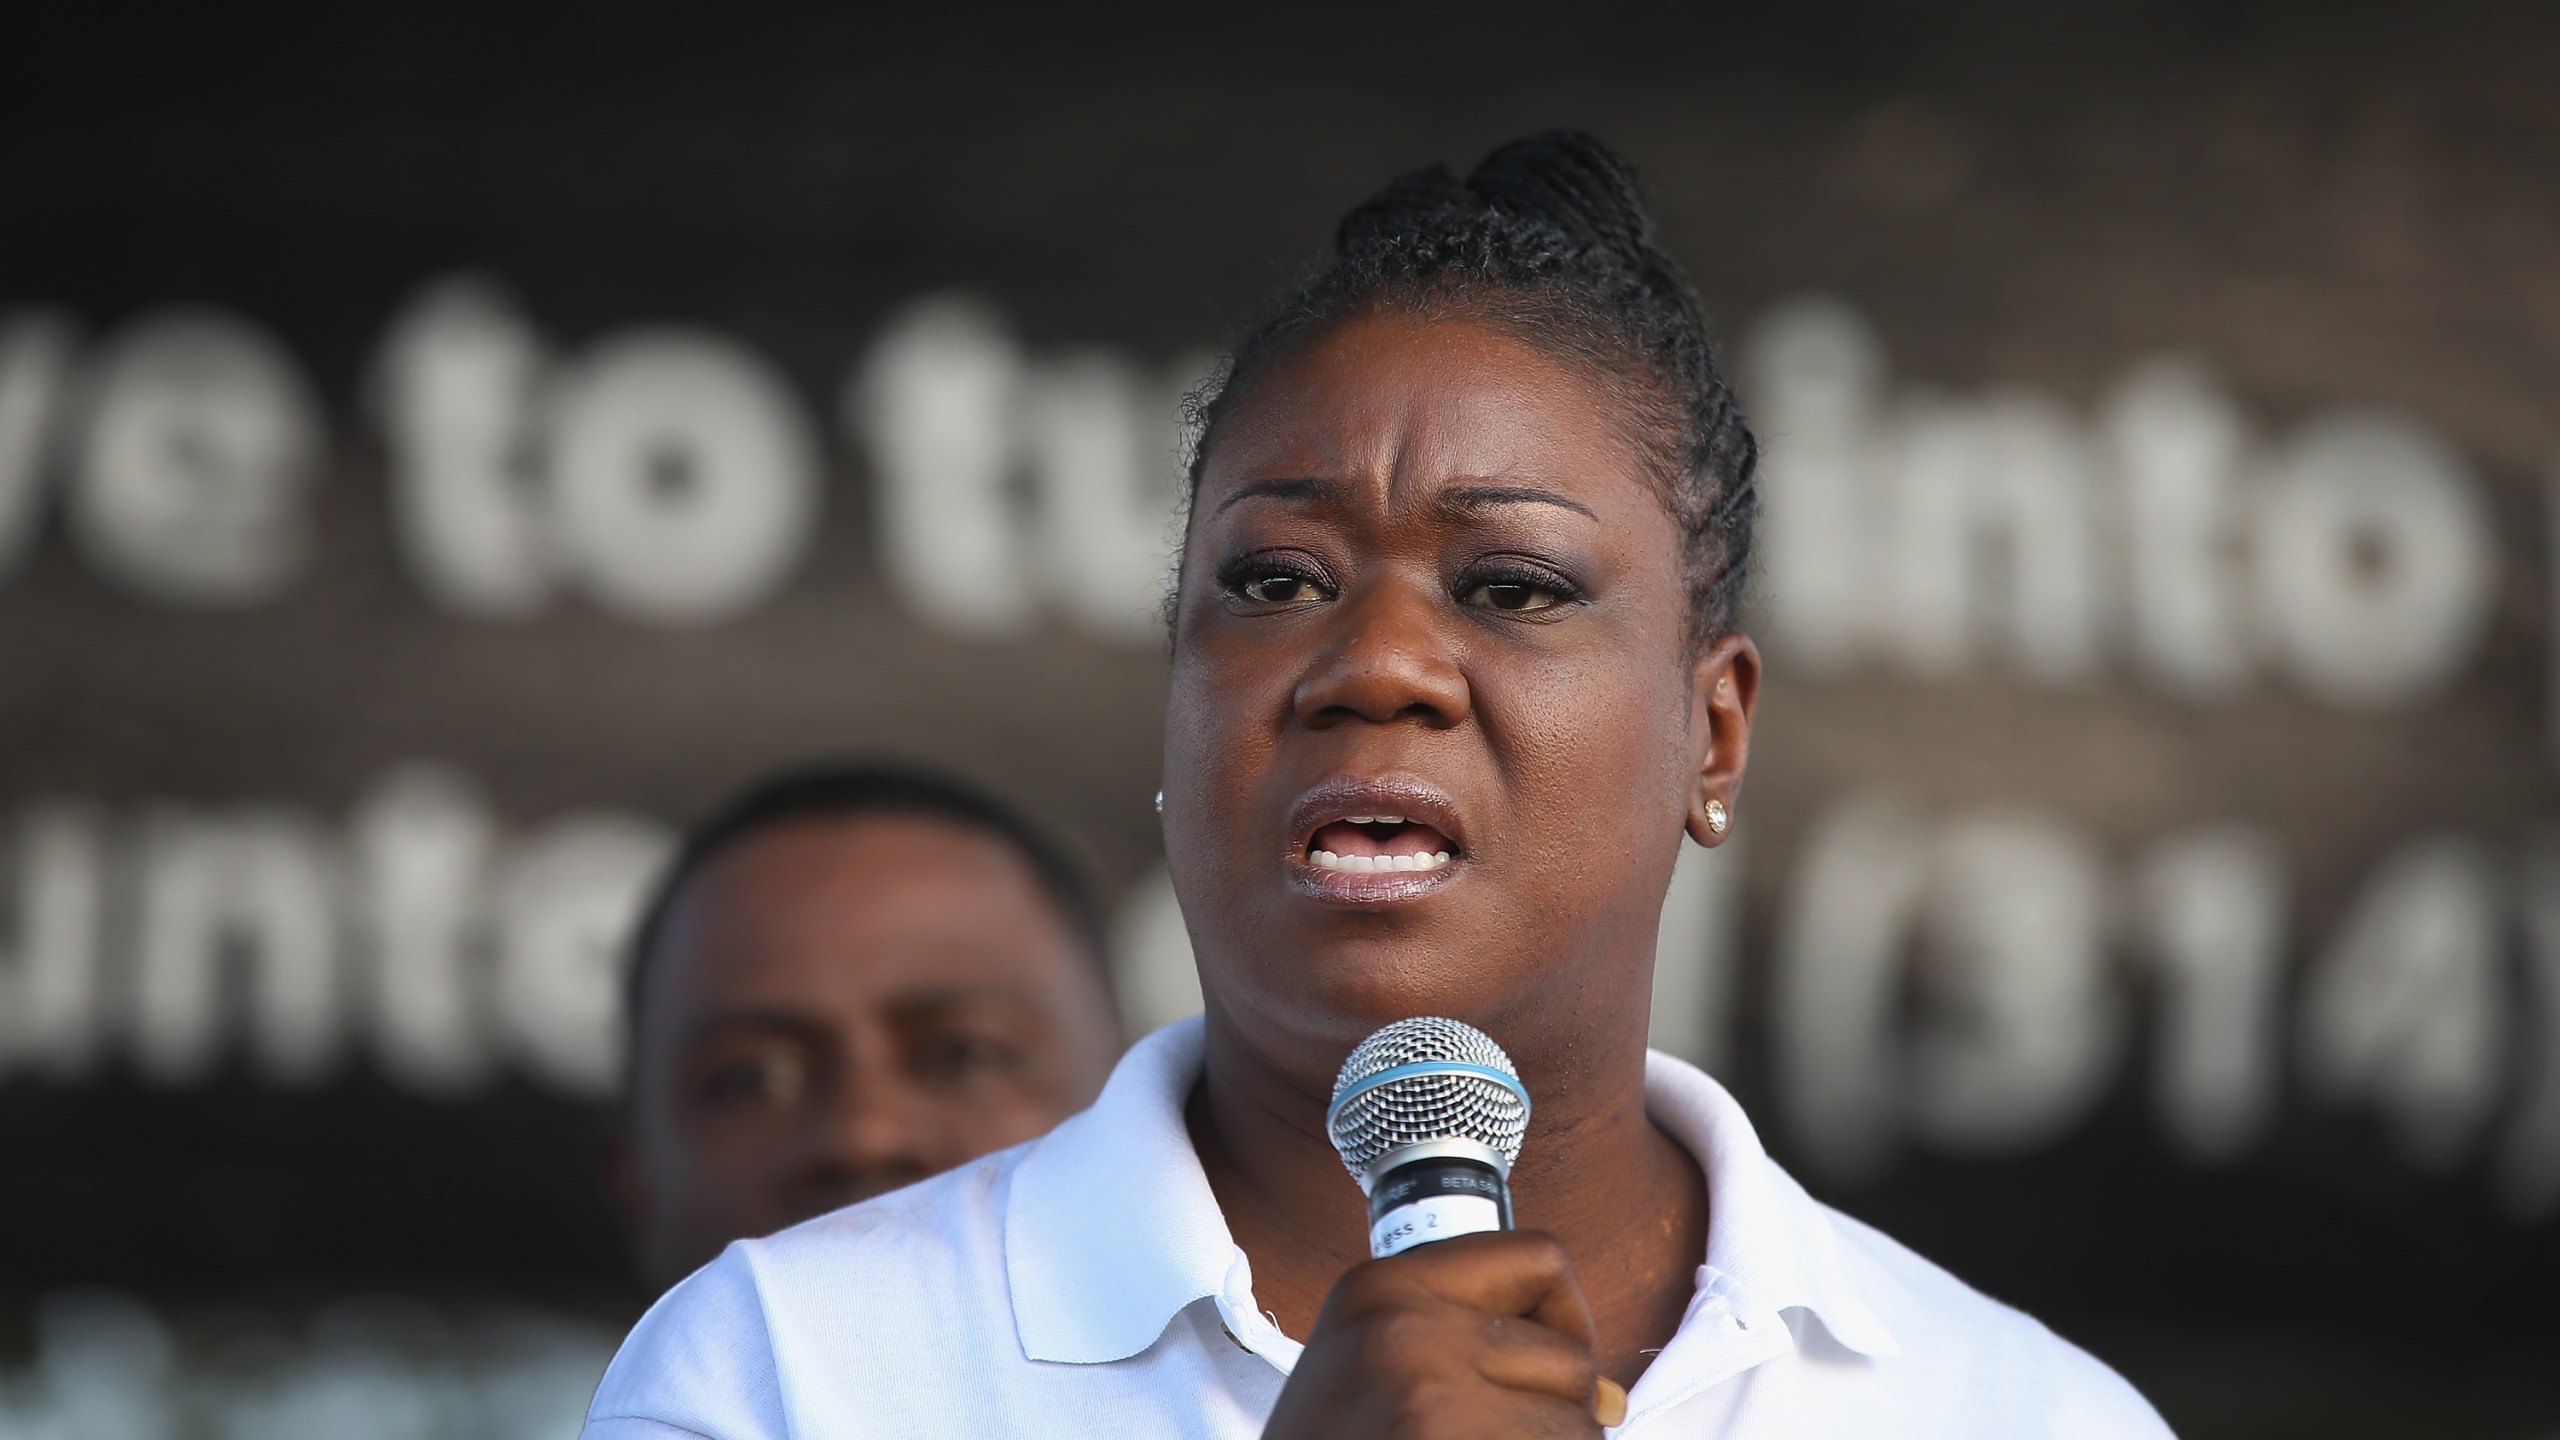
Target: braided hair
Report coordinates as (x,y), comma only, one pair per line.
(1550,237)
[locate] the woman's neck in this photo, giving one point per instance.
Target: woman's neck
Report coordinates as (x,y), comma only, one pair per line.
(1629,1203)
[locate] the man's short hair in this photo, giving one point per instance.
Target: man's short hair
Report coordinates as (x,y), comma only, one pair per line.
(850,790)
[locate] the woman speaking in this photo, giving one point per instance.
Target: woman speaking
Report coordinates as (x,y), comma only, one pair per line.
(1455,668)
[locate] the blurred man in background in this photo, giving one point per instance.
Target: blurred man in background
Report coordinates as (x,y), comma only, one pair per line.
(850,979)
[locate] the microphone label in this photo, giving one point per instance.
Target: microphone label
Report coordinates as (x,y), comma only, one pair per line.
(1435,1199)
(1434,1217)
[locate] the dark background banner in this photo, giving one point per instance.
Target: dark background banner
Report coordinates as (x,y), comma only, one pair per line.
(443,450)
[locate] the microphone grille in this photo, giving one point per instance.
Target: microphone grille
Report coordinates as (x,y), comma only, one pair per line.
(1456,1103)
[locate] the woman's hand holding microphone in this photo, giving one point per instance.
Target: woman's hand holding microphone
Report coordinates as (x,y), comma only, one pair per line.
(1462,1326)
(1482,1335)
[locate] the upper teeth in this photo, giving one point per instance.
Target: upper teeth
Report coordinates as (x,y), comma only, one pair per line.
(1376,819)
(1364,864)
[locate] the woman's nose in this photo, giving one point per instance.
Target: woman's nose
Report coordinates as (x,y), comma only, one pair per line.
(1389,659)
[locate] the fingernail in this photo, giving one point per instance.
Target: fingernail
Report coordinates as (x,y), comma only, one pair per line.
(1609,1403)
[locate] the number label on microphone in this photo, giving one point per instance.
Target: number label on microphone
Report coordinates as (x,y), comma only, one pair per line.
(1432,1217)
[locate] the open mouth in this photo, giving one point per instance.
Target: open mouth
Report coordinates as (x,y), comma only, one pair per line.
(1376,839)
(1368,844)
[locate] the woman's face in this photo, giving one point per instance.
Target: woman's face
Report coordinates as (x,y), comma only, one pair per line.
(1435,729)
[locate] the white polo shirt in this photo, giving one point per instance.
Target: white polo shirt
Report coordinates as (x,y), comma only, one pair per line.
(1084,1284)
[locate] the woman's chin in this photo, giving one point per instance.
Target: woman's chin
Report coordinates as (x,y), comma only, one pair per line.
(1344,988)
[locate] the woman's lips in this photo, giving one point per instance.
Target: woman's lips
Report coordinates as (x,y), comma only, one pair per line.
(1375,839)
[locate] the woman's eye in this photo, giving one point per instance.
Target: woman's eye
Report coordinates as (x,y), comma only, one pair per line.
(1280,588)
(1520,594)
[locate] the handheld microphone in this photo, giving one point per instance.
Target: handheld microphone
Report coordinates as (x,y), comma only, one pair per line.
(1428,1114)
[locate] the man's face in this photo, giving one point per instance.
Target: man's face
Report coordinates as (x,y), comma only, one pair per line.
(838,1007)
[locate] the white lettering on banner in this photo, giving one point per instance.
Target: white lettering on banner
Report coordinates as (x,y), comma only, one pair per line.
(670,475)
(1939,981)
(2021,1024)
(2211,905)
(1943,534)
(1993,924)
(2528,1173)
(1835,991)
(35,356)
(49,943)
(195,444)
(685,473)
(2376,564)
(1994,541)
(454,392)
(421,850)
(566,901)
(2407,1009)
(1105,453)
(256,891)
(2179,440)
(111,1367)
(98,1364)
(1816,375)
(1007,488)
(442,946)
(936,405)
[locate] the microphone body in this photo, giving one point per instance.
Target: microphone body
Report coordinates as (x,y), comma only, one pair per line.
(1428,1114)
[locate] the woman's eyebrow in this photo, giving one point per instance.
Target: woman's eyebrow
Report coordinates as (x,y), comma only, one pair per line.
(1457,497)
(1283,488)
(1481,497)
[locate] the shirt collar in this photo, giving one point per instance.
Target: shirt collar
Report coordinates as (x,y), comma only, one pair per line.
(1111,1228)
(1769,1244)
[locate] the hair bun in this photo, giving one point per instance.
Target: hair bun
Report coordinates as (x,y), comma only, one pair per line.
(1571,180)
(1402,206)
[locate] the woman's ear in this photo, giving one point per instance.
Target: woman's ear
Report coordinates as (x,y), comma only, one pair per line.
(1724,691)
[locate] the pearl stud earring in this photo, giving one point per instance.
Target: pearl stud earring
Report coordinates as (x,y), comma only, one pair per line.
(1717,817)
